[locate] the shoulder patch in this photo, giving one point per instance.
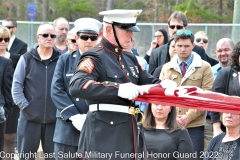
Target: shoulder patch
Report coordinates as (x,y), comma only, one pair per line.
(86,65)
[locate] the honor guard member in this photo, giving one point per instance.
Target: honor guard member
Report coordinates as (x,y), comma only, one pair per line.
(66,136)
(109,79)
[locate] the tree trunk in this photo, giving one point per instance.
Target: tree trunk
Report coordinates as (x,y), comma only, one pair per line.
(109,5)
(18,9)
(11,3)
(220,9)
(44,10)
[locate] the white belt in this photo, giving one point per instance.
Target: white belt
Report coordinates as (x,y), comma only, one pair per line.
(109,107)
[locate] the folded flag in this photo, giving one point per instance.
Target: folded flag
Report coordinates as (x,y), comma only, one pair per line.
(192,97)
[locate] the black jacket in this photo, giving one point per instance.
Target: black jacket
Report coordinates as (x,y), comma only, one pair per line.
(17,49)
(67,105)
(226,82)
(6,74)
(160,56)
(35,78)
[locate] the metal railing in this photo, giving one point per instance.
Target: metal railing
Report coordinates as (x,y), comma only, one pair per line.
(27,32)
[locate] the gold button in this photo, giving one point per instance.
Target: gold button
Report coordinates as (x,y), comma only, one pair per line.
(116,84)
(127,74)
(111,122)
(137,76)
(99,46)
(77,99)
(116,49)
(122,66)
(115,76)
(106,82)
(120,58)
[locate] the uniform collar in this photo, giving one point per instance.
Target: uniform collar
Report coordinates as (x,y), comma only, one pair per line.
(109,46)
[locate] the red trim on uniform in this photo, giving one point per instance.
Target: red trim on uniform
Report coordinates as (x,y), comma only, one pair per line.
(134,137)
(87,84)
(86,65)
(111,51)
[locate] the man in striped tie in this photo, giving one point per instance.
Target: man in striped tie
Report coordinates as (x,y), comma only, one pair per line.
(188,69)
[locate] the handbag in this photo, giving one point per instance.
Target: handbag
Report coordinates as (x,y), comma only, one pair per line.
(2,114)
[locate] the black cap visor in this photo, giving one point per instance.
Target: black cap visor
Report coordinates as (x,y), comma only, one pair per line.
(127,26)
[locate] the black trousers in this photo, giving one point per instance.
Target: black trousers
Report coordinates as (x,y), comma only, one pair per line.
(29,135)
(65,152)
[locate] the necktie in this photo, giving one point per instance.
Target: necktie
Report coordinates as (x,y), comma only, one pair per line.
(183,70)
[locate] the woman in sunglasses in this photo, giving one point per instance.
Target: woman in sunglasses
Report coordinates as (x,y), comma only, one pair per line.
(201,39)
(6,73)
(4,40)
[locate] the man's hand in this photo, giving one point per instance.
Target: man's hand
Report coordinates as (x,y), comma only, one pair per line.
(2,114)
(129,91)
(78,121)
(183,120)
(168,83)
(179,120)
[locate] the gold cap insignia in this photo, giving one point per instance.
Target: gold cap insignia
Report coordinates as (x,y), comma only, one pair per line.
(136,14)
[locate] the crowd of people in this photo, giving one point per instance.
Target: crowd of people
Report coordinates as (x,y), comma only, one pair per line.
(74,92)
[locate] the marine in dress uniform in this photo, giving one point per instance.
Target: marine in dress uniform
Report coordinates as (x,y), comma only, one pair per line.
(66,136)
(109,78)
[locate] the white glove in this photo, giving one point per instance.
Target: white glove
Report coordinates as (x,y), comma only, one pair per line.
(128,91)
(145,88)
(78,121)
(168,84)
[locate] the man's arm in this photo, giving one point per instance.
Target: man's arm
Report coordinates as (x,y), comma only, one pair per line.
(18,84)
(219,86)
(59,93)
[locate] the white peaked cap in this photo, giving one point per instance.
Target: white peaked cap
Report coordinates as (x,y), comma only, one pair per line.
(88,25)
(124,19)
(120,16)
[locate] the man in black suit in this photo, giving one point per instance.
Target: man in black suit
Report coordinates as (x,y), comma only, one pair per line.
(160,55)
(16,47)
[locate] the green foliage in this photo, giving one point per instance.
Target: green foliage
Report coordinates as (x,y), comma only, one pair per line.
(196,13)
(69,9)
(126,4)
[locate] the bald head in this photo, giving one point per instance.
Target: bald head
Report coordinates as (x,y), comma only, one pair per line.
(46,35)
(43,27)
(224,48)
(225,41)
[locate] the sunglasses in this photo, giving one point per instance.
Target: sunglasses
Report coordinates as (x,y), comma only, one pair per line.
(45,35)
(177,26)
(199,40)
(5,39)
(73,40)
(9,27)
(186,32)
(86,37)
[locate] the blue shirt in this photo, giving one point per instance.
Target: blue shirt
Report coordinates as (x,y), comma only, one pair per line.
(188,62)
(144,64)
(216,69)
